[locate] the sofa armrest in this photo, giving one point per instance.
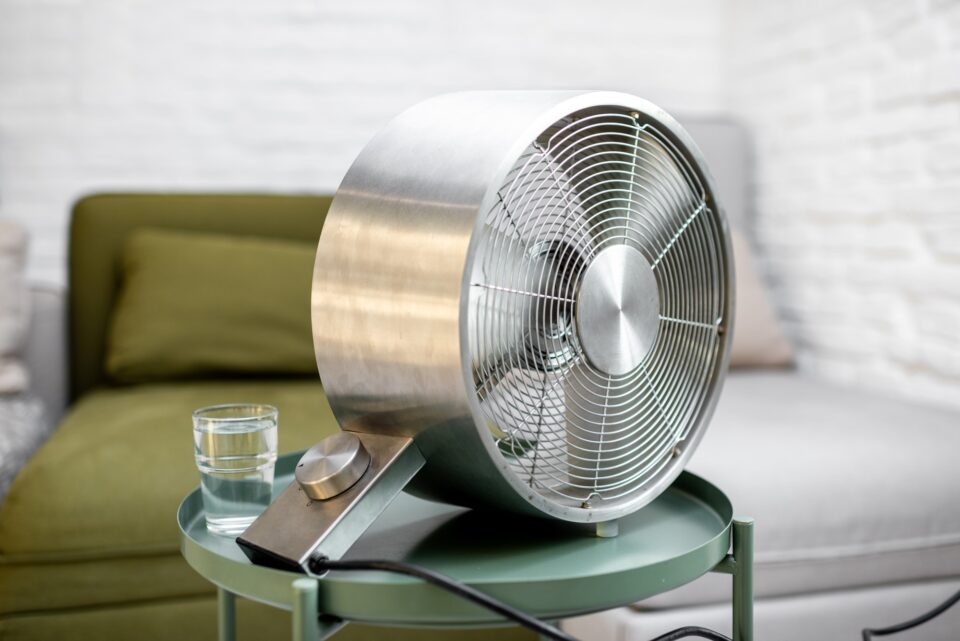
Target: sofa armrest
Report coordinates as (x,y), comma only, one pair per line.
(45,352)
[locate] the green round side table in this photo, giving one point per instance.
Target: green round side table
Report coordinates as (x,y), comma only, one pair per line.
(549,569)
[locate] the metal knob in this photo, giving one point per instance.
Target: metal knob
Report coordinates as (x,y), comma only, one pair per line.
(332,466)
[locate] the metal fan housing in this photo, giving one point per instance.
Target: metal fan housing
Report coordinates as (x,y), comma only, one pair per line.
(537,288)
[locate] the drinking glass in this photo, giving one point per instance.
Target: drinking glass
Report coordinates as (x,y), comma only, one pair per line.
(236,449)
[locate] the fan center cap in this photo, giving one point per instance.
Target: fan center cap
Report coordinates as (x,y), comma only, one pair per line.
(618,310)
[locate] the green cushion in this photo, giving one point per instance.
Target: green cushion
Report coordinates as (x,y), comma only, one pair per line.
(97,504)
(100,224)
(192,619)
(195,304)
(196,620)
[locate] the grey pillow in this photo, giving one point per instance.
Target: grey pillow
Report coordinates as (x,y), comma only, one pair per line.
(758,338)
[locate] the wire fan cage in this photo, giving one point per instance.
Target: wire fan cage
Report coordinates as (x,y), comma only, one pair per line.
(581,426)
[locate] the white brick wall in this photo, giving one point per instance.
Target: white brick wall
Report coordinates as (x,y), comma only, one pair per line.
(855,110)
(281,95)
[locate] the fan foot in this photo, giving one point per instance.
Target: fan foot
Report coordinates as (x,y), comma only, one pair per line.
(608,529)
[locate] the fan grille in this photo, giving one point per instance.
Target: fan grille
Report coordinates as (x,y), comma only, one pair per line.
(579,430)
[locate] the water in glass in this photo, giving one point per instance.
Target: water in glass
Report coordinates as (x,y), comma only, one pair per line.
(236,448)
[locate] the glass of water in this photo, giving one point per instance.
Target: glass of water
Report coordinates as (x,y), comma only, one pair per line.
(236,448)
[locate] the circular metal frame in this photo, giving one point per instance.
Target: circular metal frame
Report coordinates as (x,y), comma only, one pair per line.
(675,135)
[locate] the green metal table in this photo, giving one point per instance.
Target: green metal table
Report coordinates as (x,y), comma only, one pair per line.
(551,570)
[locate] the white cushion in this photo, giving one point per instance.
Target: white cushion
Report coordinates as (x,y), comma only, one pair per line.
(848,488)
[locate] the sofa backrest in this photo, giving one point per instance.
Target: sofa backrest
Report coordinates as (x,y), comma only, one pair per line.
(101,223)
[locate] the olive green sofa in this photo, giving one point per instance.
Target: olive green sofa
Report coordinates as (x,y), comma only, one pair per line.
(88,537)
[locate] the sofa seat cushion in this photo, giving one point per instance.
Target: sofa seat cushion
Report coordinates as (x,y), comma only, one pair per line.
(91,519)
(847,488)
(195,619)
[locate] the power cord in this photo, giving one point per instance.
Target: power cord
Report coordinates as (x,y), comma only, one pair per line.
(869,633)
(321,565)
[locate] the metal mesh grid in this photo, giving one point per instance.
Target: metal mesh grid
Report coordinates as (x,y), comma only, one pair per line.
(572,432)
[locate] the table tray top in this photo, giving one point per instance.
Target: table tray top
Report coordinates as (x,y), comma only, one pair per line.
(547,568)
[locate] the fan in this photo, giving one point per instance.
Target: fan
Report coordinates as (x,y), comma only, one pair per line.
(522,301)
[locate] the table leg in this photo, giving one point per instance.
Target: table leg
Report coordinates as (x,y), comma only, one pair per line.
(305,624)
(308,624)
(226,615)
(554,623)
(743,580)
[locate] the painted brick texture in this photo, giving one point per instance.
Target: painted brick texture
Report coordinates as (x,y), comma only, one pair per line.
(281,95)
(854,107)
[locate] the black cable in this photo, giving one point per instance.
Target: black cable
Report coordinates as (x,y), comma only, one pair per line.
(445,582)
(869,633)
(692,631)
(463,590)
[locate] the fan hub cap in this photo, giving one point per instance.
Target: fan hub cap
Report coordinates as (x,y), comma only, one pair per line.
(618,310)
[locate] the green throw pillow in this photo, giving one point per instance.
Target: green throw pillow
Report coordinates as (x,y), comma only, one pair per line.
(194,305)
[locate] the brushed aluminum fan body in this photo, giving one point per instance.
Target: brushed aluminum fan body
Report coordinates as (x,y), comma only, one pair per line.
(521,300)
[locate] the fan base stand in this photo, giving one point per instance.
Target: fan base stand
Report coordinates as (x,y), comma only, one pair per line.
(608,529)
(296,527)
